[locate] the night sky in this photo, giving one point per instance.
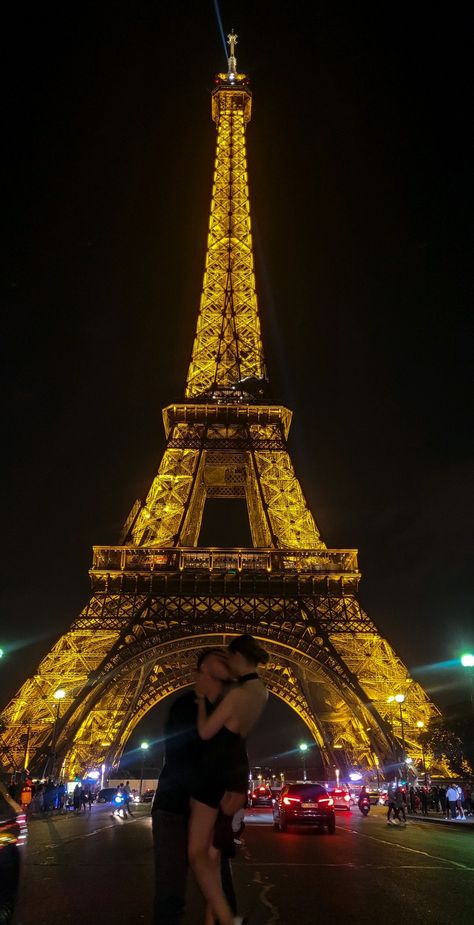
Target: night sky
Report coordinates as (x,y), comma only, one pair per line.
(361,194)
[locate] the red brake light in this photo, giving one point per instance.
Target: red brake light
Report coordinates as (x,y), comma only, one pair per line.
(328,800)
(289,800)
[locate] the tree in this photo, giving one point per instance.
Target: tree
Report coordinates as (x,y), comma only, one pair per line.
(452,738)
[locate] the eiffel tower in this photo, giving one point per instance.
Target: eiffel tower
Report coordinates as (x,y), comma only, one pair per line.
(158,597)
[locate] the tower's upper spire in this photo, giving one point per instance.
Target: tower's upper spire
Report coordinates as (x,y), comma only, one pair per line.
(232,60)
(227,348)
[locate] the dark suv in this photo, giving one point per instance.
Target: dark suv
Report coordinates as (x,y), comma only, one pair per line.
(304,804)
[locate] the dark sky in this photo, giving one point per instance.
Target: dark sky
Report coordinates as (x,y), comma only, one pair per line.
(361,193)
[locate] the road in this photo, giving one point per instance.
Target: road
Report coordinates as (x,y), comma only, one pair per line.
(97,869)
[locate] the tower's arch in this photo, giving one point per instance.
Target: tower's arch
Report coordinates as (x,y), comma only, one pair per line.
(308,679)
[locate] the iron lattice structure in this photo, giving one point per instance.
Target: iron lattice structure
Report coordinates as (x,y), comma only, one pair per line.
(158,597)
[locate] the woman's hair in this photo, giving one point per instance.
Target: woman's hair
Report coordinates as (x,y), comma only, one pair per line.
(247,646)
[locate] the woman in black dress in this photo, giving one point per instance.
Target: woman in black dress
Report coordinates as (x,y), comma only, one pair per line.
(223,778)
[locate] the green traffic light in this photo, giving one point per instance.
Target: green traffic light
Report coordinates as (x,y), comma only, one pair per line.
(467,660)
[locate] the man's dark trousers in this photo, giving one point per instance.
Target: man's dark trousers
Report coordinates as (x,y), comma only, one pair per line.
(170,838)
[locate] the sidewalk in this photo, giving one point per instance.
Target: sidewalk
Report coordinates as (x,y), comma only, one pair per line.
(441,819)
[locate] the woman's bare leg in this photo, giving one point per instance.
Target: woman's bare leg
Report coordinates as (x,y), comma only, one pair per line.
(201,827)
(215,857)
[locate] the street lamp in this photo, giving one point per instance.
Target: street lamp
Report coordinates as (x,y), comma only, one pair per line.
(399,698)
(420,725)
(1,653)
(58,696)
(303,750)
(144,747)
(467,661)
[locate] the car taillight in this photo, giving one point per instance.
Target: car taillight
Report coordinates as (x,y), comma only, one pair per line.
(328,800)
(289,800)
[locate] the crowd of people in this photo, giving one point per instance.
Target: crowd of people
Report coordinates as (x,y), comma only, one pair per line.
(453,801)
(51,796)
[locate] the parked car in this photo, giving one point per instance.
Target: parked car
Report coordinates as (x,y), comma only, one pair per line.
(341,798)
(13,831)
(147,795)
(106,795)
(304,804)
(261,796)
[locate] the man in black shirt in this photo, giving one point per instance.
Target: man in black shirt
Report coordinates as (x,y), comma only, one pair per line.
(170,808)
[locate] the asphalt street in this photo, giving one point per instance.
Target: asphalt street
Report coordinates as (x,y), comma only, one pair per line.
(98,869)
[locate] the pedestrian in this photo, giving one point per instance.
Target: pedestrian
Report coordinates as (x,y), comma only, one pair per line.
(127,799)
(451,801)
(391,804)
(77,799)
(61,798)
(88,797)
(468,799)
(83,798)
(460,801)
(222,781)
(442,799)
(424,801)
(400,806)
(171,804)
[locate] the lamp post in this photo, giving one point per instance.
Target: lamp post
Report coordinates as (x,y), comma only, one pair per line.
(420,725)
(467,661)
(58,696)
(144,747)
(303,750)
(399,698)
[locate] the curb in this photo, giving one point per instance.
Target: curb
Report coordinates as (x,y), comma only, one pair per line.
(461,823)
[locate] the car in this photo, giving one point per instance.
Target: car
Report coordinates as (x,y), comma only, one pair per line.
(107,794)
(304,804)
(261,796)
(13,831)
(147,795)
(341,798)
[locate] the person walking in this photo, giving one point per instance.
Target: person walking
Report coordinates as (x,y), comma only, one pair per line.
(127,799)
(424,800)
(400,806)
(468,799)
(442,800)
(391,804)
(77,799)
(222,781)
(171,804)
(460,802)
(451,801)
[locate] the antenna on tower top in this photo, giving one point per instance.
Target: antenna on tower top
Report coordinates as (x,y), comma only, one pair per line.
(232,40)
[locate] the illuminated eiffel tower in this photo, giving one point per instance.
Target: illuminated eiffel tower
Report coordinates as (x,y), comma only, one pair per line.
(158,596)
